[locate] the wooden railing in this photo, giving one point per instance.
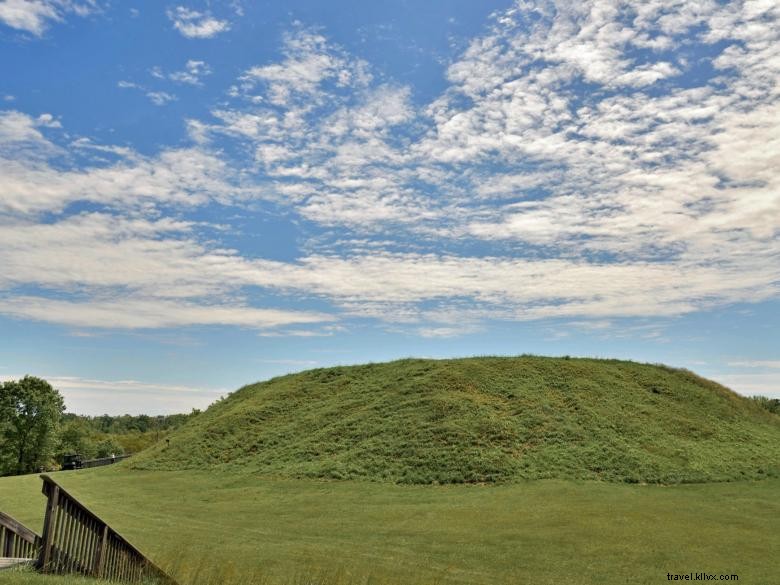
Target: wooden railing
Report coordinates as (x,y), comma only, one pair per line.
(104,461)
(76,541)
(16,540)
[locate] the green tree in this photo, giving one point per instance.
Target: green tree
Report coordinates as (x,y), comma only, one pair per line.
(770,404)
(109,446)
(30,412)
(76,437)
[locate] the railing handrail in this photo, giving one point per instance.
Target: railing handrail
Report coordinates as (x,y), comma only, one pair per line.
(48,481)
(18,528)
(62,495)
(114,458)
(63,492)
(16,540)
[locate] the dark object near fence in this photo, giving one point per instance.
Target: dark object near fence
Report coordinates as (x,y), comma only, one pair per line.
(76,461)
(72,461)
(76,541)
(16,540)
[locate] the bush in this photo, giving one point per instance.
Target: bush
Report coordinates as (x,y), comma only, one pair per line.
(770,404)
(108,447)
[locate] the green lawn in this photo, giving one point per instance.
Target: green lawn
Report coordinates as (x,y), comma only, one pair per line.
(215,528)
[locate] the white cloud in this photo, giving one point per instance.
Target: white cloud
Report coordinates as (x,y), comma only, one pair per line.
(621,172)
(309,62)
(16,127)
(88,396)
(34,16)
(28,15)
(751,384)
(143,273)
(163,260)
(290,362)
(48,121)
(773,364)
(129,275)
(445,332)
(320,126)
(196,25)
(150,313)
(192,73)
(323,331)
(385,285)
(160,98)
(32,183)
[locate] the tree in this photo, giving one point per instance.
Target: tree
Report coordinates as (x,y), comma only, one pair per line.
(770,404)
(76,437)
(30,412)
(109,446)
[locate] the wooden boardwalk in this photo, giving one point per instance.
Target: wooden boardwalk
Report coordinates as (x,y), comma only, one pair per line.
(9,562)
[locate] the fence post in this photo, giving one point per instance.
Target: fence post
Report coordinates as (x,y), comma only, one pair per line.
(8,546)
(97,571)
(48,525)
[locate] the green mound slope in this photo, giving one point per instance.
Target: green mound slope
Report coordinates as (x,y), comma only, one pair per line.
(482,420)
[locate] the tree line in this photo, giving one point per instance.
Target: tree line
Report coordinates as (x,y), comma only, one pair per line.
(36,432)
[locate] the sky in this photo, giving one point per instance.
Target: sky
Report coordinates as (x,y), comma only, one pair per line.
(195,196)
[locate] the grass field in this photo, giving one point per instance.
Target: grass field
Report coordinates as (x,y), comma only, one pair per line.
(238,529)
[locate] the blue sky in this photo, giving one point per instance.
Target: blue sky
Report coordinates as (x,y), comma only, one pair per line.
(196,196)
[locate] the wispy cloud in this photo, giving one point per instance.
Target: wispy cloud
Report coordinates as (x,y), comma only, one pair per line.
(196,25)
(192,74)
(160,98)
(150,313)
(18,129)
(445,332)
(95,397)
(284,362)
(33,183)
(751,384)
(771,364)
(35,16)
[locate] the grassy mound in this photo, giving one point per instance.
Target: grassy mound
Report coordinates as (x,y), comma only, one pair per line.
(482,420)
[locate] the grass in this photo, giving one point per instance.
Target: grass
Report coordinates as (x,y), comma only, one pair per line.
(231,528)
(482,420)
(30,577)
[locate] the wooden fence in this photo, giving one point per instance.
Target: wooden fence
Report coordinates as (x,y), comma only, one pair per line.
(16,540)
(104,461)
(76,541)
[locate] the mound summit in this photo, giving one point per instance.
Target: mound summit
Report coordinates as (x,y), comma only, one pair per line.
(482,420)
